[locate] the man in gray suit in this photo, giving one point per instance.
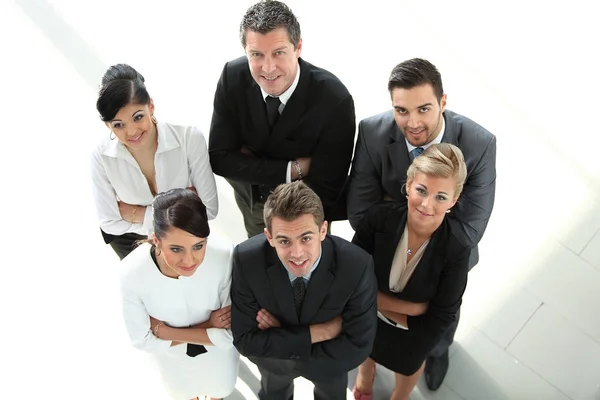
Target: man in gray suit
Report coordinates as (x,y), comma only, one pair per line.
(387,144)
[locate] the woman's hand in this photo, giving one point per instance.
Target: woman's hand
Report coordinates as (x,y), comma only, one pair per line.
(221,318)
(131,212)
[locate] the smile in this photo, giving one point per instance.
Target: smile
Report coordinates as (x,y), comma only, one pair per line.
(424,214)
(136,138)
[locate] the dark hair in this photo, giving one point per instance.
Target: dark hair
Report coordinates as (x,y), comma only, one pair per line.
(292,200)
(268,15)
(121,85)
(416,72)
(180,208)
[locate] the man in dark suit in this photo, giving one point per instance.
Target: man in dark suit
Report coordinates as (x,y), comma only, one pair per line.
(278,119)
(388,142)
(303,303)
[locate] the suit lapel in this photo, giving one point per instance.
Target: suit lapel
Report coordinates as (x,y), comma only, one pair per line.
(258,114)
(320,282)
(386,244)
(399,160)
(282,288)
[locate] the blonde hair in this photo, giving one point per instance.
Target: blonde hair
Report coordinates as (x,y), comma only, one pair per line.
(292,200)
(442,160)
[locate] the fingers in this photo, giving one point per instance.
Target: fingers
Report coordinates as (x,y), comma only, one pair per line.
(266,320)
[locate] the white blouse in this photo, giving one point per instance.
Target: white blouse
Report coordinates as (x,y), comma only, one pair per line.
(181,160)
(182,302)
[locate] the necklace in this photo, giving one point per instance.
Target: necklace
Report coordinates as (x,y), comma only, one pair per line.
(410,249)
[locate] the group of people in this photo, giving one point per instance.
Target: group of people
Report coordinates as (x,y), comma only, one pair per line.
(293,299)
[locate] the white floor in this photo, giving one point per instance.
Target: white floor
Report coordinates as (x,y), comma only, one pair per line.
(530,326)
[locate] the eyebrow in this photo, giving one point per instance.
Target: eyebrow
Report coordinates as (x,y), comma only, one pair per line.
(302,235)
(131,115)
(420,184)
(421,106)
(176,245)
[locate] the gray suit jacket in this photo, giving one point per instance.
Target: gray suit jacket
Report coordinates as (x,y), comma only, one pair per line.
(381,160)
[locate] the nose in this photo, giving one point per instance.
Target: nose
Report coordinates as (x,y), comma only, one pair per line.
(426,202)
(188,259)
(296,250)
(268,65)
(413,121)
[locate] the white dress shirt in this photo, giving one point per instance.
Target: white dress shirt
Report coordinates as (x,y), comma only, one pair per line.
(181,160)
(182,302)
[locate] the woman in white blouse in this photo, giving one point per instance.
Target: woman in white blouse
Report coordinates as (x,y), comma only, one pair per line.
(176,304)
(140,158)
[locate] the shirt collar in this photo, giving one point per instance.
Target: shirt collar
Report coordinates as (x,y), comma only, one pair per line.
(285,96)
(438,138)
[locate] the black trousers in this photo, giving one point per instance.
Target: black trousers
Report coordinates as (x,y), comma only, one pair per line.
(122,244)
(280,386)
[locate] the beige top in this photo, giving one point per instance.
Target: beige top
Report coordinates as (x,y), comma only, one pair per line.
(401,271)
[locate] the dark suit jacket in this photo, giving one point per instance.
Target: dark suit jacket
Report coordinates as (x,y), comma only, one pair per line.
(381,161)
(318,121)
(342,284)
(440,277)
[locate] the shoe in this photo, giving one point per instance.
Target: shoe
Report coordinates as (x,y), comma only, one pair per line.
(435,370)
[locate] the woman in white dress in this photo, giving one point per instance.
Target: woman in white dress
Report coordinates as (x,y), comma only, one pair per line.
(141,157)
(176,305)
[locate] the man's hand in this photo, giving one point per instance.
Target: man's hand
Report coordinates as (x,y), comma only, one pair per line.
(326,330)
(266,320)
(193,189)
(304,163)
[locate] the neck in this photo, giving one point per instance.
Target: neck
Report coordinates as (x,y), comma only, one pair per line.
(164,267)
(418,233)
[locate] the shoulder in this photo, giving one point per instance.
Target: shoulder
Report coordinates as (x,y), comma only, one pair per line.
(448,243)
(218,249)
(467,129)
(253,248)
(324,83)
(136,265)
(385,216)
(376,130)
(347,252)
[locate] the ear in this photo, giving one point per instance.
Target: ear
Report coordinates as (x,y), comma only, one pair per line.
(408,185)
(151,106)
(323,231)
(454,202)
(299,48)
(443,103)
(154,240)
(269,237)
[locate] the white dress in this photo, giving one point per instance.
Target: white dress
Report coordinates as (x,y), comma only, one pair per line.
(182,302)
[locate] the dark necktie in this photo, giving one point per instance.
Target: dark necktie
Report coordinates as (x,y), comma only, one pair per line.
(299,291)
(273,104)
(416,152)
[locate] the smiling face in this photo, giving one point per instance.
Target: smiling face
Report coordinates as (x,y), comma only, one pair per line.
(429,197)
(297,242)
(180,252)
(272,59)
(133,126)
(418,113)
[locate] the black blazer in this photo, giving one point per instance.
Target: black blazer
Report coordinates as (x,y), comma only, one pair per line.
(342,284)
(318,121)
(440,278)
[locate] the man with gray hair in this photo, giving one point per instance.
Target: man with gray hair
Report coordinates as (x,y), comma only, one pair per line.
(278,119)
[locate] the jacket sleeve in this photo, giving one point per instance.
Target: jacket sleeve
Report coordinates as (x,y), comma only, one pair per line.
(365,183)
(332,156)
(201,174)
(429,327)
(225,143)
(474,206)
(283,343)
(355,342)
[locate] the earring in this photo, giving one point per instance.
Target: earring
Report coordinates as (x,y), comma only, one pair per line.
(448,211)
(406,197)
(112,135)
(153,118)
(158,251)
